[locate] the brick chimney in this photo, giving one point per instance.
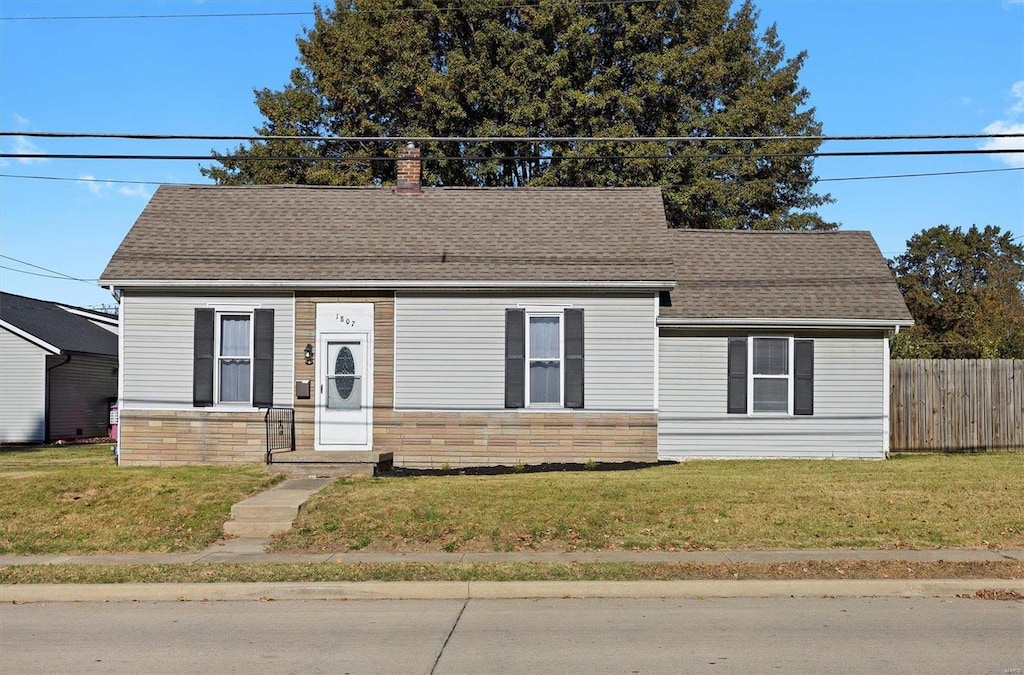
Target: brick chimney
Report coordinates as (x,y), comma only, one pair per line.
(409,169)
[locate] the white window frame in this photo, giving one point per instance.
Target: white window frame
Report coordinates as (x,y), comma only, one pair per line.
(219,316)
(751,376)
(561,359)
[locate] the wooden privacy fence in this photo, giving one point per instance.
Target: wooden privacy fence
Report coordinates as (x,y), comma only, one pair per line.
(950,405)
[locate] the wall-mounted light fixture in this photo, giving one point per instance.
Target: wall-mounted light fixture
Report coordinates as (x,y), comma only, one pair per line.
(308,354)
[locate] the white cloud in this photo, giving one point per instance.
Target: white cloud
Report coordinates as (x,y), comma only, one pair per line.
(1017,92)
(1012,125)
(21,145)
(96,187)
(138,191)
(19,120)
(105,188)
(1002,127)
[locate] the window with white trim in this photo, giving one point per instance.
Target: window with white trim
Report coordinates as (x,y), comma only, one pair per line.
(771,380)
(544,349)
(234,342)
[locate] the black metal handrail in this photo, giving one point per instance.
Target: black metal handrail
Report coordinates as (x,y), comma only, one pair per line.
(280,423)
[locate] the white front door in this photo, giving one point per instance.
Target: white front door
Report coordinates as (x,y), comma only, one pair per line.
(342,392)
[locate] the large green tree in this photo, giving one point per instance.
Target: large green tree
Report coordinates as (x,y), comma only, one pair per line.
(965,290)
(487,68)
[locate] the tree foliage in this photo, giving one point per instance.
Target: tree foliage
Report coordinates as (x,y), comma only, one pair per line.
(485,68)
(966,293)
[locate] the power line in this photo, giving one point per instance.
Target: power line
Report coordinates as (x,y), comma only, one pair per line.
(61,275)
(393,10)
(819,180)
(918,175)
(503,139)
(97,180)
(152,16)
(514,158)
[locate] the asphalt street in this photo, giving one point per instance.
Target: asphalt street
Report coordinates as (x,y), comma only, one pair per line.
(743,635)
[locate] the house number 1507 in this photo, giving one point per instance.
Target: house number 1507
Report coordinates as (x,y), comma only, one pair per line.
(348,321)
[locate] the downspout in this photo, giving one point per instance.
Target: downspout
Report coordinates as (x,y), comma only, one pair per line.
(49,389)
(120,368)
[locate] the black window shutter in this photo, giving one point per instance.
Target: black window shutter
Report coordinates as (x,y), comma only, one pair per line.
(202,362)
(803,381)
(515,358)
(574,358)
(263,361)
(737,376)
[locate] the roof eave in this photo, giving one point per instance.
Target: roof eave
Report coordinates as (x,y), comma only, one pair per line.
(285,284)
(24,334)
(772,322)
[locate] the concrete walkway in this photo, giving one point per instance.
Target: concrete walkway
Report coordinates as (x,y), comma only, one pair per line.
(273,511)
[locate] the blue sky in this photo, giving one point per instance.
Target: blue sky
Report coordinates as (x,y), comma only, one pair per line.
(882,67)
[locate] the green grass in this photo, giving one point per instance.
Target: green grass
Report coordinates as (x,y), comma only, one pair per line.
(222,573)
(929,501)
(74,499)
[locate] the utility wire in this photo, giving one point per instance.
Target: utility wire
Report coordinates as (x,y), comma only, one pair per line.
(917,175)
(99,180)
(502,139)
(514,158)
(819,180)
(393,10)
(40,267)
(61,277)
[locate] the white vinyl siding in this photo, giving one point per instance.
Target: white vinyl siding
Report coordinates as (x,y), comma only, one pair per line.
(158,341)
(849,402)
(450,349)
(80,393)
(22,390)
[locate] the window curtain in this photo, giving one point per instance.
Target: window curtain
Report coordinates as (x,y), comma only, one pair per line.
(234,372)
(545,376)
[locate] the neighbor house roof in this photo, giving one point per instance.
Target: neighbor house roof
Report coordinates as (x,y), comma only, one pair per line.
(63,327)
(744,275)
(309,234)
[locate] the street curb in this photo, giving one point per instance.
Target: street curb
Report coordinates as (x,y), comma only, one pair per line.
(472,590)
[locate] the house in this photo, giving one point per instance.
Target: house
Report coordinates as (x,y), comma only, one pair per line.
(58,370)
(469,326)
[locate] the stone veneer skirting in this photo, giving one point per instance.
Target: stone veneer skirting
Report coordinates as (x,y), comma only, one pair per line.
(169,437)
(431,440)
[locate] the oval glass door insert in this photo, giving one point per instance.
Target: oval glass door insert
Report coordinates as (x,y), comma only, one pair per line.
(345,364)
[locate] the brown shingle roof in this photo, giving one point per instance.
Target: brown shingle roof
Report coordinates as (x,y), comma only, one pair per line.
(723,274)
(550,235)
(295,233)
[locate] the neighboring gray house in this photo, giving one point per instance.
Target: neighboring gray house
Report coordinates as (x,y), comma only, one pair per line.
(463,326)
(58,370)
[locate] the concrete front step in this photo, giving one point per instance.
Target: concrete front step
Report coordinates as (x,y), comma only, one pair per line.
(332,463)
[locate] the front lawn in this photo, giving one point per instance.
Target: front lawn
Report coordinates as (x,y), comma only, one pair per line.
(931,501)
(74,499)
